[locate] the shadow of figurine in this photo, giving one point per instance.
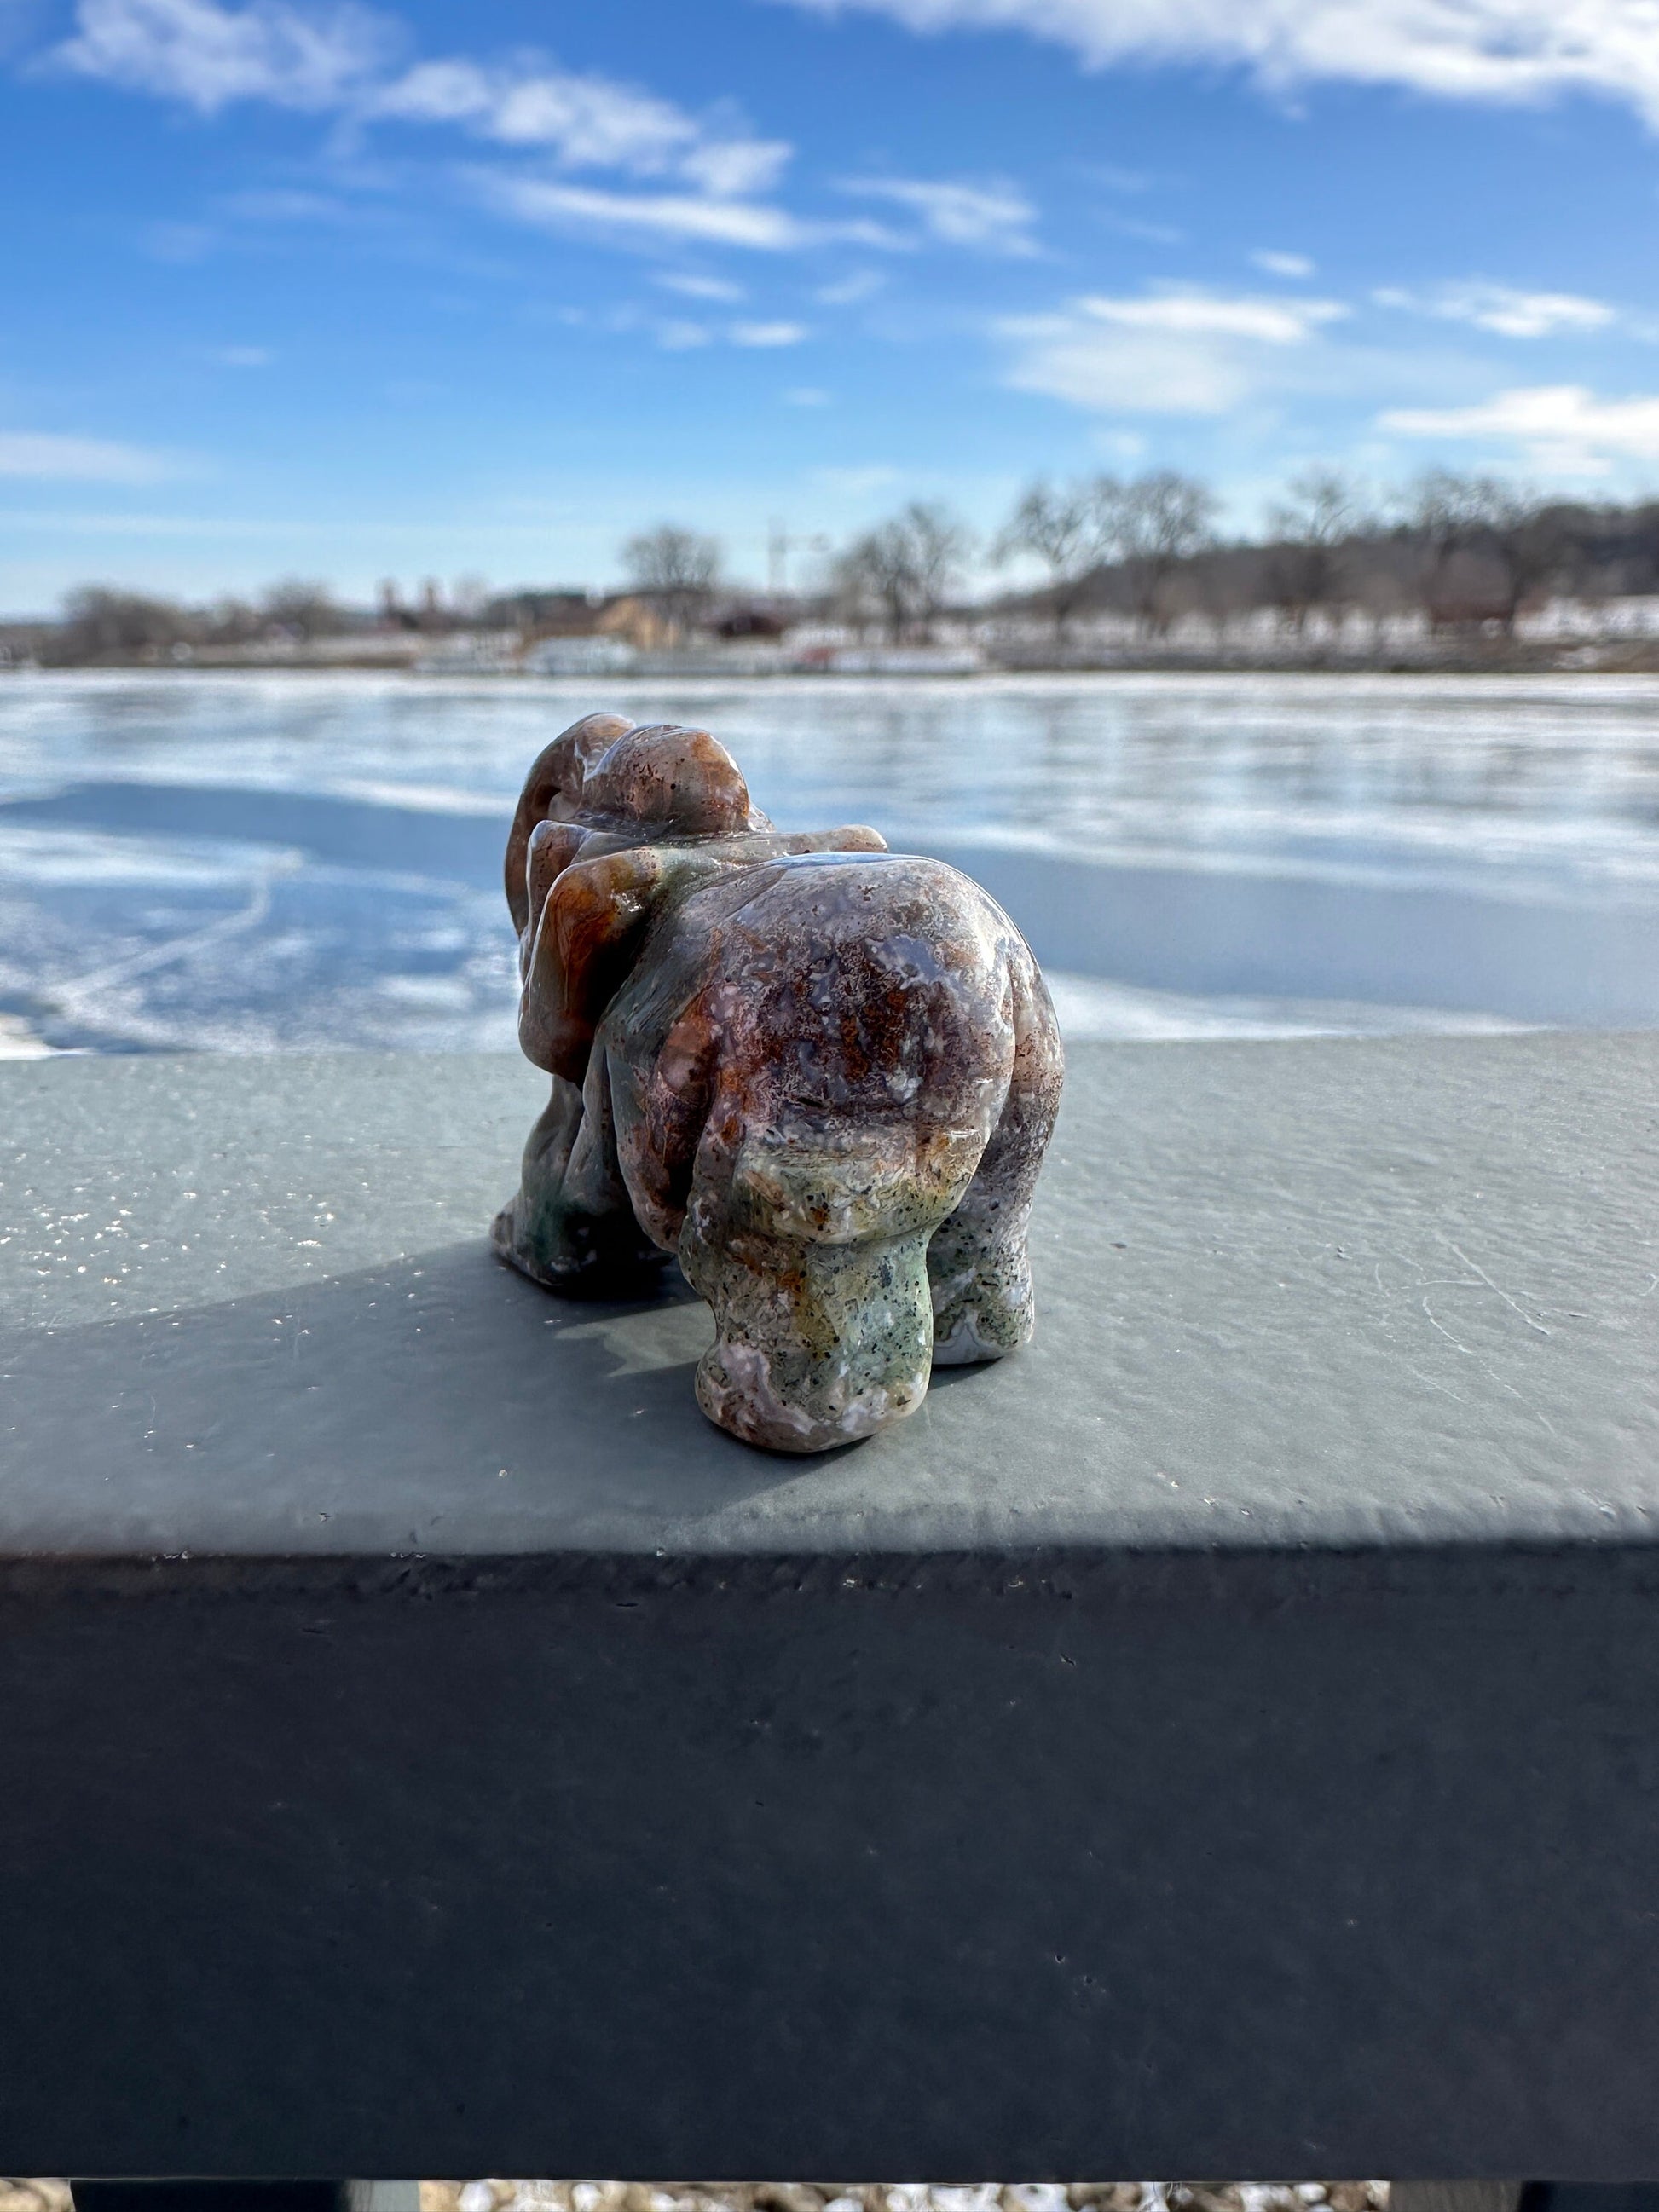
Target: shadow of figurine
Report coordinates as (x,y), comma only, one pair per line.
(822,1074)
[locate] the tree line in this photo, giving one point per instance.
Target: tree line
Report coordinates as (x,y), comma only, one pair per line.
(1463,550)
(1460,550)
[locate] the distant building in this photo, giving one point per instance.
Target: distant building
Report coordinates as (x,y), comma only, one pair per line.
(751,618)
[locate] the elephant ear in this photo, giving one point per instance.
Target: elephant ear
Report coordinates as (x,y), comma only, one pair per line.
(663,780)
(553,786)
(553,846)
(588,937)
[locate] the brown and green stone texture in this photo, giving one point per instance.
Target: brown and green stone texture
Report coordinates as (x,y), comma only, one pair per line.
(820,1073)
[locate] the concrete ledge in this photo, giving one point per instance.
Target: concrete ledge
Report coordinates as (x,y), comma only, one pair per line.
(1221,1739)
(1328,1294)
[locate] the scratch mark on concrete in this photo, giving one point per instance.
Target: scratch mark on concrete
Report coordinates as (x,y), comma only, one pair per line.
(1498,1287)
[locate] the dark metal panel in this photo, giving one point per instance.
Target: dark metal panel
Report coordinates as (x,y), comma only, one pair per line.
(1252,1866)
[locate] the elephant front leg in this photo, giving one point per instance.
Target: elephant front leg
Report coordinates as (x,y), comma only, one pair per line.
(977,1263)
(570,1224)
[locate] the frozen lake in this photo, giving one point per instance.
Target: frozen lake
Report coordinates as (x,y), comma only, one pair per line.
(252,863)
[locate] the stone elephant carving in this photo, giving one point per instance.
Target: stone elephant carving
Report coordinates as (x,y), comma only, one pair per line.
(822,1073)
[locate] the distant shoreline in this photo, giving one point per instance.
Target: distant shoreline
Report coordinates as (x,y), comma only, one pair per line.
(1610,660)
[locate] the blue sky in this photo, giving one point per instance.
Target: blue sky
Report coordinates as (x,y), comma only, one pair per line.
(359,291)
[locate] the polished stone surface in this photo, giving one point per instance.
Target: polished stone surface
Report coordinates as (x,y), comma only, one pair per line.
(821,1074)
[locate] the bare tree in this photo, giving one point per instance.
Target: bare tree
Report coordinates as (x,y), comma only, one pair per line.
(907,568)
(231,621)
(941,544)
(1482,515)
(1306,569)
(873,575)
(678,568)
(1061,527)
(1151,526)
(1444,511)
(101,623)
(303,608)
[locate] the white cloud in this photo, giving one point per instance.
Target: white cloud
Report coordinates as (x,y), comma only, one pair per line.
(1500,308)
(807,395)
(1489,49)
(732,166)
(1295,266)
(49,457)
(584,122)
(340,57)
(210,56)
(1213,315)
(993,218)
(768,334)
(693,286)
(1165,353)
(1563,428)
(680,336)
(848,291)
(651,217)
(243,356)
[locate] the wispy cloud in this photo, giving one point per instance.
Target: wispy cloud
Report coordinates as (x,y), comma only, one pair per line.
(1134,226)
(590,211)
(714,174)
(210,57)
(1503,309)
(681,336)
(807,395)
(581,122)
(1513,51)
(1177,352)
(243,356)
(48,457)
(1565,428)
(1295,267)
(691,286)
(995,217)
(768,334)
(848,291)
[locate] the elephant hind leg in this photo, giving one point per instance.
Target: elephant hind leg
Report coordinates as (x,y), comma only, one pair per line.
(815,1262)
(977,1262)
(816,1345)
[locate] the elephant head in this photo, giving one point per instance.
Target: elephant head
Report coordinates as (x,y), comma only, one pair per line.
(613,815)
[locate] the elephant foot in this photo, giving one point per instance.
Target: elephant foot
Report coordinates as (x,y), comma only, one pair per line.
(983,1306)
(510,1242)
(817,1345)
(569,1225)
(586,1258)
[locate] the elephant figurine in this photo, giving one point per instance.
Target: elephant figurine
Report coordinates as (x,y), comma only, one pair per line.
(821,1073)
